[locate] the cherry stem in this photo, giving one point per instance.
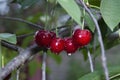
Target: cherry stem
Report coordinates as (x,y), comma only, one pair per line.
(103,56)
(83,20)
(0,55)
(18,73)
(92,6)
(53,11)
(90,61)
(46,16)
(2,61)
(56,31)
(44,66)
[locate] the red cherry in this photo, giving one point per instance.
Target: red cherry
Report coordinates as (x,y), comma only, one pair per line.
(43,38)
(70,47)
(57,45)
(82,37)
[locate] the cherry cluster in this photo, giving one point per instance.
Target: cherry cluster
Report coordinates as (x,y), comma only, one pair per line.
(49,40)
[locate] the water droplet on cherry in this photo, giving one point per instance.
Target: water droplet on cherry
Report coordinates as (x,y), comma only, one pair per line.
(69,54)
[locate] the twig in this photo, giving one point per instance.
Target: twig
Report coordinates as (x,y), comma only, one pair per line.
(25,35)
(113,36)
(60,27)
(114,76)
(103,57)
(44,66)
(90,61)
(94,47)
(10,46)
(0,55)
(29,23)
(18,61)
(21,20)
(17,74)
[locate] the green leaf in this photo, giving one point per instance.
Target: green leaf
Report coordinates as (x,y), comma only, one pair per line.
(33,66)
(90,22)
(94,2)
(28,3)
(84,52)
(91,76)
(72,9)
(27,40)
(34,18)
(8,37)
(110,12)
(99,75)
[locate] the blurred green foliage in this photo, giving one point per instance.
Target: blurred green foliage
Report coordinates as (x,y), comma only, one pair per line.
(36,11)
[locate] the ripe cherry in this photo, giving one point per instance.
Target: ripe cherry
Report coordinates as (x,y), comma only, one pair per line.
(82,37)
(57,45)
(70,47)
(43,38)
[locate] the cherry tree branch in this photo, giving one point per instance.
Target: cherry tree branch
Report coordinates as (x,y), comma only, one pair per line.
(18,60)
(103,57)
(24,55)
